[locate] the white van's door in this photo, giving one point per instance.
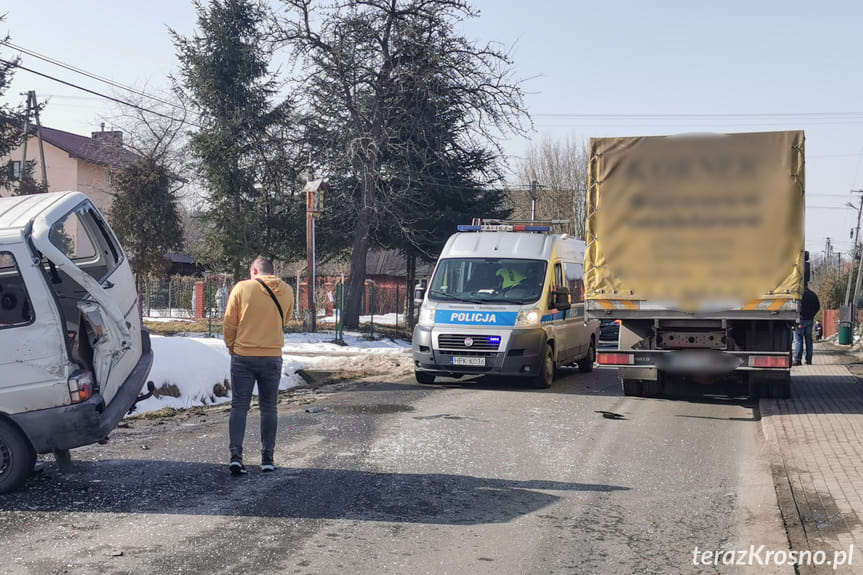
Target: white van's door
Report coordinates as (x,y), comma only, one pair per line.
(572,336)
(79,247)
(33,360)
(574,275)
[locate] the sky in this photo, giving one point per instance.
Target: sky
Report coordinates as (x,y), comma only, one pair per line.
(590,69)
(195,364)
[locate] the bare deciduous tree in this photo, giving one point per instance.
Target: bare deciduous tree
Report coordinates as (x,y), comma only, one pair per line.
(559,167)
(367,64)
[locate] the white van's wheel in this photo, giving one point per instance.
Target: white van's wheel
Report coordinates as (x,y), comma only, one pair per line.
(585,364)
(424,377)
(17,457)
(545,376)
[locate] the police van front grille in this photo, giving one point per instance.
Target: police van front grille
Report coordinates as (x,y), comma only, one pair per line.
(476,342)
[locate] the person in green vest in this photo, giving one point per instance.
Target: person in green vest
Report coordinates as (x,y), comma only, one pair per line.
(510,277)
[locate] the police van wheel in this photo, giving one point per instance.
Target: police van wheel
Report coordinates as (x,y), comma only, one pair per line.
(543,379)
(424,377)
(17,457)
(585,364)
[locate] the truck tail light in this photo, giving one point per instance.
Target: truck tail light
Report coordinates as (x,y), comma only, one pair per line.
(615,358)
(781,361)
(80,386)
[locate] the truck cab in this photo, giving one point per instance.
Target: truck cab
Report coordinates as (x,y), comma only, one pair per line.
(505,300)
(73,354)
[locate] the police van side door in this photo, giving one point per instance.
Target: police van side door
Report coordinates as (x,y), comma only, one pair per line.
(576,327)
(566,335)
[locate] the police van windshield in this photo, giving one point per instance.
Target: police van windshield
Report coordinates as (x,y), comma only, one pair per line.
(487,280)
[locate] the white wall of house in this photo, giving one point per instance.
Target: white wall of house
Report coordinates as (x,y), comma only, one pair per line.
(65,173)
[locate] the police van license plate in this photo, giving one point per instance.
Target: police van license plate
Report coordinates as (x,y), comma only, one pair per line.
(468,360)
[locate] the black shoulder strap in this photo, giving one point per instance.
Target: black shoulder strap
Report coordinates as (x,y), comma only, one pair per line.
(275,301)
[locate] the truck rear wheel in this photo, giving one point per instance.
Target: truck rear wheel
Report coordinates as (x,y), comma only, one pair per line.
(543,379)
(764,387)
(17,457)
(631,387)
(780,389)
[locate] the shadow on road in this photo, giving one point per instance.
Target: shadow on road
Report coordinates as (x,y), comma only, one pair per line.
(174,487)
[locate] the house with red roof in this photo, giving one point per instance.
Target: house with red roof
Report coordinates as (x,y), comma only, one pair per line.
(73,162)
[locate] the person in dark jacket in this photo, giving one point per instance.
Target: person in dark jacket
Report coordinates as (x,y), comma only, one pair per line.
(809,306)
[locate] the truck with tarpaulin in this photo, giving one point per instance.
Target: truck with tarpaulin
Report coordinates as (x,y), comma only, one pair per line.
(695,244)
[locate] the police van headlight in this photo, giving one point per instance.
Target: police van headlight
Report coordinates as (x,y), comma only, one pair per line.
(527,318)
(426,316)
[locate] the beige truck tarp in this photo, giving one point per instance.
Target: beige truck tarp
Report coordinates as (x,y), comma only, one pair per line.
(692,221)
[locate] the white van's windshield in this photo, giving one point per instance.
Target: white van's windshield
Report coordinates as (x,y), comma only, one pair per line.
(488,280)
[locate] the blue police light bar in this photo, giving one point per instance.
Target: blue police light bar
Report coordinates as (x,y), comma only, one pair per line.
(503,228)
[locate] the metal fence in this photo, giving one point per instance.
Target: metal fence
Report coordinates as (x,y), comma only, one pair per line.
(384,301)
(178,297)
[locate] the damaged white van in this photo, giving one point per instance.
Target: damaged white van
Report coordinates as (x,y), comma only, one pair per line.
(73,355)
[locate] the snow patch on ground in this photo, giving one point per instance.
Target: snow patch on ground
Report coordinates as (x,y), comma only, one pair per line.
(194,366)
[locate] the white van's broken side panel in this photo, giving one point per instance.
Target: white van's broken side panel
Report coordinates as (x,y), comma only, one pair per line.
(33,366)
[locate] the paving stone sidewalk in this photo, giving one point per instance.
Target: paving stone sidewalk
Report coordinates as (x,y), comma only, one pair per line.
(816,441)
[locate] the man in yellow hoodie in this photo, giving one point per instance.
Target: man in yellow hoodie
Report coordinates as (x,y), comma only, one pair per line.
(256,312)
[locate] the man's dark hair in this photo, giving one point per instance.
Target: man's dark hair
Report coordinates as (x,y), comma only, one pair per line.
(264,265)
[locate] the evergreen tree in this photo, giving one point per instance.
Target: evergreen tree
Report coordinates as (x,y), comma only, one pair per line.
(242,150)
(11,119)
(145,216)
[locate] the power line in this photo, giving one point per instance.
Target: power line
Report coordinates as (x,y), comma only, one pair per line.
(101,95)
(89,74)
(828,115)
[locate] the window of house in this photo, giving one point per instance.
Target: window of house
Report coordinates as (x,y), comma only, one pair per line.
(15,308)
(14,170)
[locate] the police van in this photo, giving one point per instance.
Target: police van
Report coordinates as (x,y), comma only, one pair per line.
(505,300)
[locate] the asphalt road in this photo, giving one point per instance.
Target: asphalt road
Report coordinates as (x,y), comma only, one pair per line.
(394,477)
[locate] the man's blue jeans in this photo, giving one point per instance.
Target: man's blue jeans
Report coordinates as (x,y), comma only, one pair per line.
(803,336)
(245,371)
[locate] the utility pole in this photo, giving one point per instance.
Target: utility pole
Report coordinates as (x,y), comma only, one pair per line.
(33,108)
(533,187)
(859,260)
(856,241)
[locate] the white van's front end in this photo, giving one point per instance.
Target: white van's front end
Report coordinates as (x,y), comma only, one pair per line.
(505,300)
(453,339)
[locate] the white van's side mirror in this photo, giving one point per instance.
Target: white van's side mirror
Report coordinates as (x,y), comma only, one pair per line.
(560,298)
(419,293)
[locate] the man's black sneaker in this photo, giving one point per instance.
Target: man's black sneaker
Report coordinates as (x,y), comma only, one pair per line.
(267,465)
(796,362)
(236,466)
